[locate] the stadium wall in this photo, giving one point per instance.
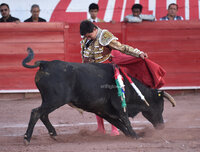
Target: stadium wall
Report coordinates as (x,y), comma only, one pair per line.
(76,10)
(173,45)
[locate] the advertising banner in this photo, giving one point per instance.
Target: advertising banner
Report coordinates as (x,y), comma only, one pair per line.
(76,10)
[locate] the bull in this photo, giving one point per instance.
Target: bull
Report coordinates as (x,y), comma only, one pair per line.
(89,87)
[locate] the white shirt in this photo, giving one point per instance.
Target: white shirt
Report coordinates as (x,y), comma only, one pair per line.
(92,20)
(96,20)
(140,18)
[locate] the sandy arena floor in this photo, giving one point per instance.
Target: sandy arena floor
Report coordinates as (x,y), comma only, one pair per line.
(76,132)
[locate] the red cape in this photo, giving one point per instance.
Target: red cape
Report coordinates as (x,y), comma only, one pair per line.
(146,71)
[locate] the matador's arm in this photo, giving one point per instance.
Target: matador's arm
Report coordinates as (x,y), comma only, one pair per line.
(126,49)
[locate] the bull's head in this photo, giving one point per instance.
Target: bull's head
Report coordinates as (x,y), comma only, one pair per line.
(154,112)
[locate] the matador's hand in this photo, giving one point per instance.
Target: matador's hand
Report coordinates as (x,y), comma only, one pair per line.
(143,55)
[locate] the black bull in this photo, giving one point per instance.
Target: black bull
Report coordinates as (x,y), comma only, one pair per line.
(91,87)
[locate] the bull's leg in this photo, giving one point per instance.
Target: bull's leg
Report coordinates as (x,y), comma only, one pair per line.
(125,121)
(118,124)
(123,124)
(45,119)
(35,115)
(42,113)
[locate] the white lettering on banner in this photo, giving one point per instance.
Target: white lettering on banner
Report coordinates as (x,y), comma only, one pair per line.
(152,6)
(77,10)
(187,12)
(79,6)
(199,8)
(109,10)
(137,1)
(123,10)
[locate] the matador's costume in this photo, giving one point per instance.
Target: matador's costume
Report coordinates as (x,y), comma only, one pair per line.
(99,49)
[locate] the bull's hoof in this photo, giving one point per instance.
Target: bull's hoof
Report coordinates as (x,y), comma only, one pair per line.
(135,137)
(159,126)
(26,142)
(53,135)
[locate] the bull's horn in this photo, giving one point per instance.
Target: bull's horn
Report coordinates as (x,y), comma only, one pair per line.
(170,98)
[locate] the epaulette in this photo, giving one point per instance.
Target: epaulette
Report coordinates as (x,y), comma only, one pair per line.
(106,37)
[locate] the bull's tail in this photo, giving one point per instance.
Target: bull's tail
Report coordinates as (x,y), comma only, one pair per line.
(29,58)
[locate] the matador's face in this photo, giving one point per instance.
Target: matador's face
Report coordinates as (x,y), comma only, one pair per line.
(91,36)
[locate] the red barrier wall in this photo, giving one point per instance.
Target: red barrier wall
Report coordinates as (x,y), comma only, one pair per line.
(47,40)
(173,45)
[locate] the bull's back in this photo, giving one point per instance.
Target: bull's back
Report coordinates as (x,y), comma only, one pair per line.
(73,82)
(94,82)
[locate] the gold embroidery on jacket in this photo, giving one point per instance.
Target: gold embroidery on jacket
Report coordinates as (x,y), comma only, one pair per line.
(94,52)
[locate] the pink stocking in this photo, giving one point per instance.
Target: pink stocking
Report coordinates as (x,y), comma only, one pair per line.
(100,123)
(114,131)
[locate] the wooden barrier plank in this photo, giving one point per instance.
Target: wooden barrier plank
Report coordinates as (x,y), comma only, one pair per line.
(34,27)
(177,67)
(24,79)
(42,48)
(75,58)
(16,80)
(74,28)
(170,25)
(162,35)
(176,56)
(114,28)
(173,45)
(39,37)
(178,45)
(15,61)
(182,79)
(47,41)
